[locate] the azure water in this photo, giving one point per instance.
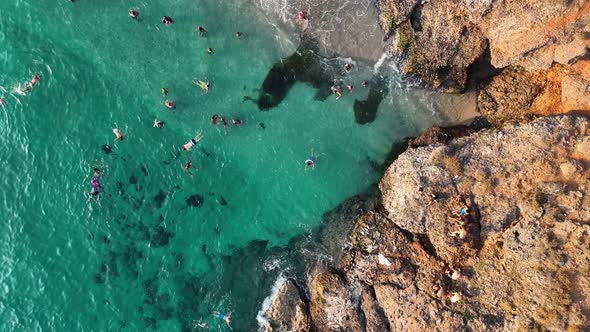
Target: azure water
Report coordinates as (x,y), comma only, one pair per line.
(139,257)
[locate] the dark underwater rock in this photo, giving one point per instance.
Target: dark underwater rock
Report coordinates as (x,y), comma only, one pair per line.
(304,66)
(161,237)
(365,111)
(160,198)
(195,200)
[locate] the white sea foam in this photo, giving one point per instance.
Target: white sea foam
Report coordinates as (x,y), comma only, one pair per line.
(262,321)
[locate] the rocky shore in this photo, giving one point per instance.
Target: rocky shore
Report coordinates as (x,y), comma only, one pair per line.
(475,228)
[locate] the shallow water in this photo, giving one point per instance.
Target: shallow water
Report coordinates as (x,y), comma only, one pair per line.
(139,257)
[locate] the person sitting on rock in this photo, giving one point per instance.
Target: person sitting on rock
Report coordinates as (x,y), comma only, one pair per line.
(461,233)
(455,297)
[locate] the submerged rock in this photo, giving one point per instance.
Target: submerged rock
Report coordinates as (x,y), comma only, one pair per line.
(302,66)
(159,198)
(365,111)
(194,200)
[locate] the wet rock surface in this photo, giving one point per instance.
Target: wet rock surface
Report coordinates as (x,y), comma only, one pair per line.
(489,231)
(527,58)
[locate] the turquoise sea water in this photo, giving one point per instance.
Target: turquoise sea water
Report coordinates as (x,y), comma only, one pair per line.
(139,257)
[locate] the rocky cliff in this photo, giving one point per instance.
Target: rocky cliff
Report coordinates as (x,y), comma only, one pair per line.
(486,232)
(526,58)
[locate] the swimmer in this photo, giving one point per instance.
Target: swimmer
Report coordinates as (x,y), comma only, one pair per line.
(214,119)
(364,84)
(187,167)
(170,104)
(224,123)
(158,123)
(203,85)
(349,88)
(225,318)
(118,135)
(200,324)
(202,31)
(133,13)
(94,183)
(239,34)
(167,20)
(237,123)
(193,141)
(164,92)
(30,84)
(347,67)
(301,15)
(209,51)
(337,91)
(310,162)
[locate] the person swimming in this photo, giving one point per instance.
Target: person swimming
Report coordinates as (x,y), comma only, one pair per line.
(167,20)
(170,104)
(187,166)
(202,31)
(209,51)
(203,85)
(223,122)
(337,91)
(96,188)
(364,84)
(347,67)
(193,141)
(133,13)
(164,92)
(239,34)
(214,119)
(30,84)
(349,88)
(237,123)
(225,318)
(310,162)
(302,15)
(158,123)
(200,324)
(118,135)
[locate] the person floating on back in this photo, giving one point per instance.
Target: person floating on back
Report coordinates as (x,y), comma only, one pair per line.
(167,20)
(223,317)
(203,85)
(202,31)
(118,135)
(133,14)
(310,162)
(193,141)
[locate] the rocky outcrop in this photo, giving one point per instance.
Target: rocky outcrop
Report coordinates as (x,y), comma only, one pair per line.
(539,44)
(488,232)
(288,311)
